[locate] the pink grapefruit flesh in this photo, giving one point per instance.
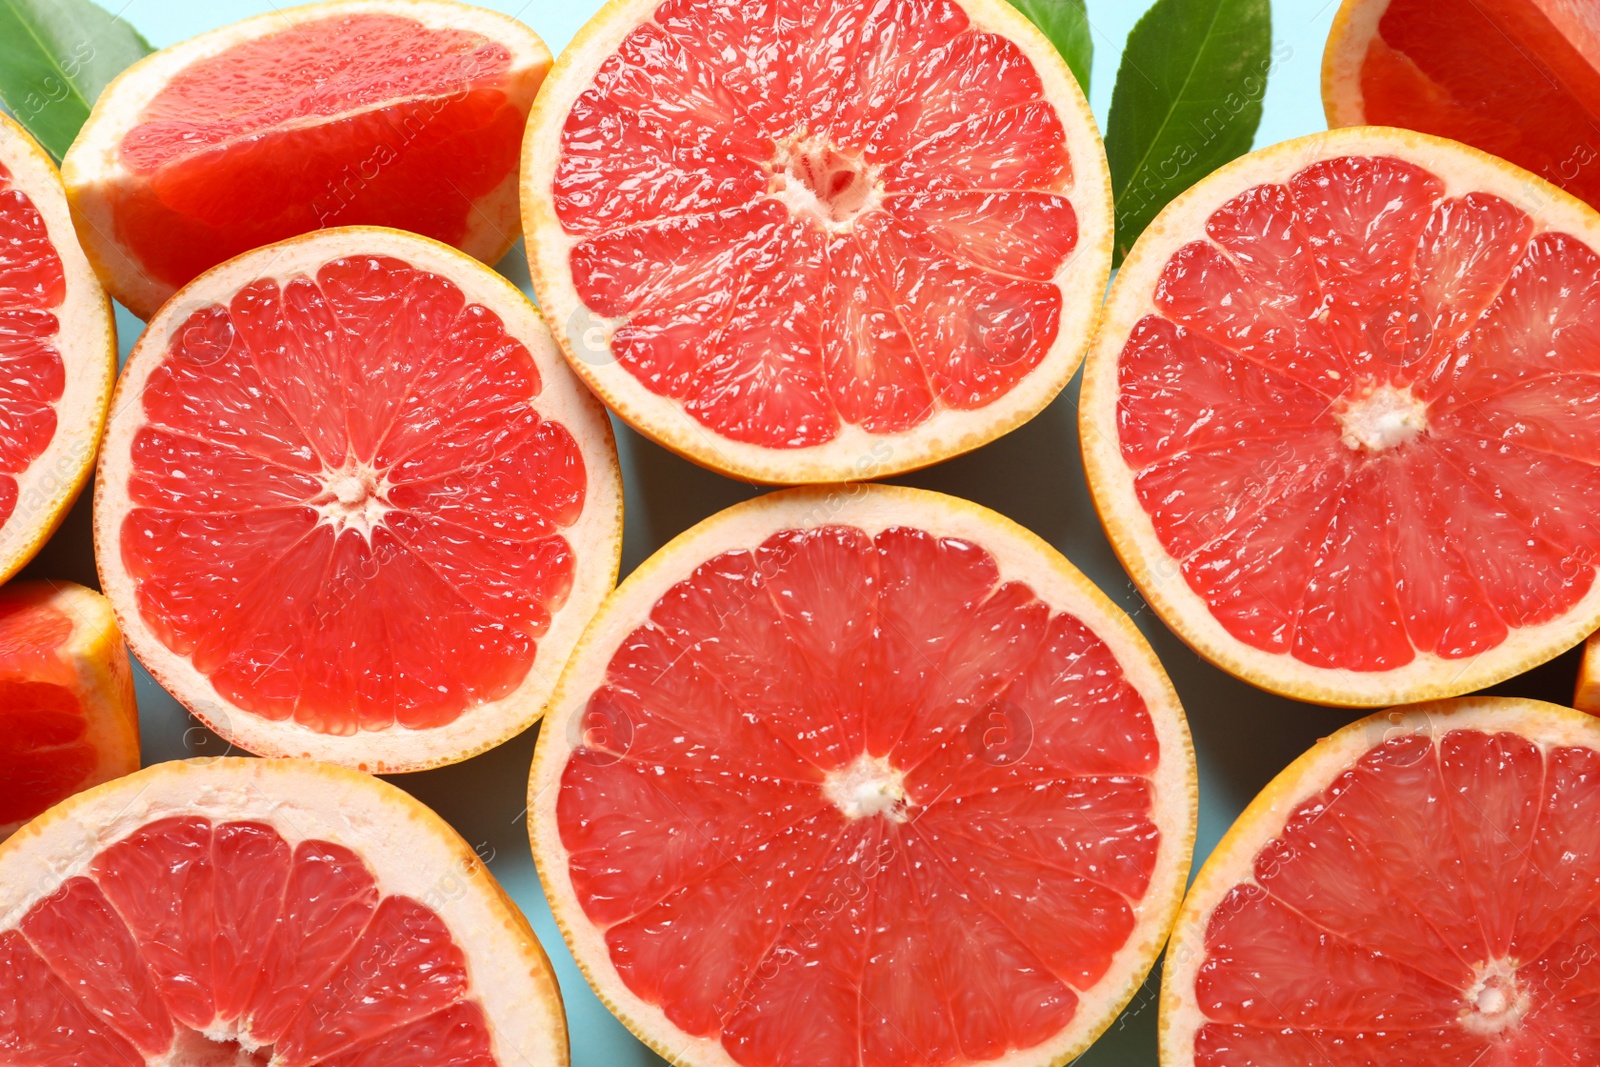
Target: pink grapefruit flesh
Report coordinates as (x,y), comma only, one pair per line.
(1420,888)
(1347,404)
(780,232)
(859,791)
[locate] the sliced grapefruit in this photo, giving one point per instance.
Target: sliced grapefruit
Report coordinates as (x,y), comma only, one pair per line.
(1586,695)
(817,240)
(1421,888)
(1342,423)
(67,715)
(1518,78)
(352,504)
(242,912)
(403,113)
(863,776)
(58,352)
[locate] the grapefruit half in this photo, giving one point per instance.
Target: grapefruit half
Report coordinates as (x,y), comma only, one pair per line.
(1518,78)
(243,912)
(67,714)
(58,352)
(817,240)
(1342,425)
(863,776)
(1421,888)
(403,113)
(352,504)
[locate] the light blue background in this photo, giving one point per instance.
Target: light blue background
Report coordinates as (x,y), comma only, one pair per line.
(1242,736)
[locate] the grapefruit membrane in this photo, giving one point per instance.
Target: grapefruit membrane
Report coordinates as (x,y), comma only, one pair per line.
(243,912)
(403,113)
(863,775)
(1517,78)
(67,715)
(1423,887)
(1340,422)
(58,352)
(352,505)
(817,241)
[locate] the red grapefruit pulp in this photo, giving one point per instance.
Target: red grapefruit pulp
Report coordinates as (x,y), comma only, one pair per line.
(67,714)
(344,113)
(813,241)
(247,912)
(1342,420)
(355,506)
(57,352)
(1421,888)
(870,777)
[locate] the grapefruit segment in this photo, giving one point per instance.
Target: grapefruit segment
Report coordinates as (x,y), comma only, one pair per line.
(1414,889)
(394,114)
(131,961)
(67,714)
(855,777)
(58,353)
(1518,78)
(1338,422)
(777,236)
(355,509)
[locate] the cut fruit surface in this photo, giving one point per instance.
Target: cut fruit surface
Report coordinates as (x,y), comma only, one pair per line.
(67,714)
(354,505)
(1421,888)
(251,912)
(58,352)
(1517,78)
(1342,421)
(817,241)
(403,113)
(863,776)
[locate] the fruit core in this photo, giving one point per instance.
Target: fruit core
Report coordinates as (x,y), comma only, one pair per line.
(868,786)
(818,181)
(354,497)
(196,1050)
(1382,417)
(1496,1001)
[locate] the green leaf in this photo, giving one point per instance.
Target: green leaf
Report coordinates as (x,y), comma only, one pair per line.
(1187,100)
(55,57)
(1066,23)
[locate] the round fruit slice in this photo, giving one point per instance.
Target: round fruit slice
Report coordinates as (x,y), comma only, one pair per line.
(67,714)
(1421,888)
(241,911)
(863,776)
(1519,78)
(404,113)
(352,504)
(58,352)
(817,240)
(1341,423)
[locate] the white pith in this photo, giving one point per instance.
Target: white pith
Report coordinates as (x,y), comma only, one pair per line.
(803,163)
(355,497)
(409,849)
(867,787)
(1022,557)
(1380,418)
(93,172)
(1232,862)
(1157,574)
(87,342)
(595,537)
(854,454)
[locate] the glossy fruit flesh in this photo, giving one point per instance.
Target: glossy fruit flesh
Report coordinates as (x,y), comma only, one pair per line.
(1364,416)
(44,751)
(32,375)
(1501,75)
(798,231)
(854,800)
(365,119)
(187,928)
(1438,904)
(345,507)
